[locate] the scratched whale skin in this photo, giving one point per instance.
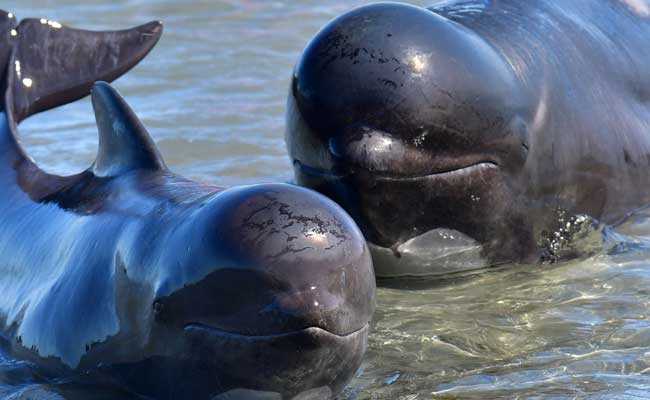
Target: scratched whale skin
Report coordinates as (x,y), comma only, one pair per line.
(172,288)
(473,132)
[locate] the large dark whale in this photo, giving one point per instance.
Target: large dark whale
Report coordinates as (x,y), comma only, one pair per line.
(484,127)
(169,288)
(44,64)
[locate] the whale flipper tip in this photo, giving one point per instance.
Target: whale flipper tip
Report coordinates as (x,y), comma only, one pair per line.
(48,71)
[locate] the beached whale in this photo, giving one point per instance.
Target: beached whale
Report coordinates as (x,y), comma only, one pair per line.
(478,128)
(45,64)
(171,288)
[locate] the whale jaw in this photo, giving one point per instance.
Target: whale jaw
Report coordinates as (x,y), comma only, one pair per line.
(289,364)
(214,364)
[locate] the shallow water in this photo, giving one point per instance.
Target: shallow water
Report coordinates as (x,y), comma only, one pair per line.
(212,94)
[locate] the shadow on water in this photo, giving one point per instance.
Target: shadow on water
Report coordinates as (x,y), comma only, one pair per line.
(213,94)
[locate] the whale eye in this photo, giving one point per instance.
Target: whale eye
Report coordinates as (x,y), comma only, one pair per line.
(158,308)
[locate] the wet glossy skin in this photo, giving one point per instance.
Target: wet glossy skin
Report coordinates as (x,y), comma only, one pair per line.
(484,117)
(47,71)
(173,288)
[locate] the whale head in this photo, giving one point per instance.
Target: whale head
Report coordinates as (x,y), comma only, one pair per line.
(413,123)
(274,295)
(256,290)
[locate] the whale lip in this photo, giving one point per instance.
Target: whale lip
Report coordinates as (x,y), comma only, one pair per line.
(452,172)
(452,198)
(290,363)
(192,327)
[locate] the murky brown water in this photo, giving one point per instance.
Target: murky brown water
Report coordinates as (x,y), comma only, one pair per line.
(212,94)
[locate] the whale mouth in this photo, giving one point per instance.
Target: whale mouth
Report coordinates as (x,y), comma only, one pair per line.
(289,363)
(449,173)
(392,209)
(309,331)
(438,253)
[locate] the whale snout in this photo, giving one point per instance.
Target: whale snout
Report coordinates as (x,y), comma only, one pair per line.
(256,303)
(312,257)
(291,287)
(375,94)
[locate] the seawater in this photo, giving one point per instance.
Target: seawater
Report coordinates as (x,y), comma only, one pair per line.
(213,95)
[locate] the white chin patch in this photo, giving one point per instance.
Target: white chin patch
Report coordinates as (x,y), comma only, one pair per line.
(435,253)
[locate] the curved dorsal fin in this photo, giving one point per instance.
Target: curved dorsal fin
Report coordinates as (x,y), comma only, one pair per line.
(124,143)
(55,64)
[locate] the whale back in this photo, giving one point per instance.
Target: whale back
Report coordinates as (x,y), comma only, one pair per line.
(128,182)
(586,71)
(43,65)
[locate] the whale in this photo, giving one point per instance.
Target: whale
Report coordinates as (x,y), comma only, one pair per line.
(476,133)
(45,64)
(130,277)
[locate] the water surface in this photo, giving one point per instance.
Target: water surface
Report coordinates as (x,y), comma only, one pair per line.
(213,93)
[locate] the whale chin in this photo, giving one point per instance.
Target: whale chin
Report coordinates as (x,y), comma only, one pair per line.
(408,219)
(287,365)
(393,208)
(437,254)
(202,362)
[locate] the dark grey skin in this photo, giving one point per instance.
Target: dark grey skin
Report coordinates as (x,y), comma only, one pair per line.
(45,64)
(499,120)
(174,288)
(129,274)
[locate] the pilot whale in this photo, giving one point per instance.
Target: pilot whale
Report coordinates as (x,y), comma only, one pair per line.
(490,128)
(45,64)
(169,287)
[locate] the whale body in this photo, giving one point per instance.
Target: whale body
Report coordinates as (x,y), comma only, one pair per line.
(496,129)
(170,287)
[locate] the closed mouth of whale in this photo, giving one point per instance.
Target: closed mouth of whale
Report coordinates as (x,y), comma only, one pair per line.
(447,173)
(314,331)
(451,173)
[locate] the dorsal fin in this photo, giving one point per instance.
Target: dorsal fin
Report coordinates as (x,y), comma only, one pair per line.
(124,143)
(54,65)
